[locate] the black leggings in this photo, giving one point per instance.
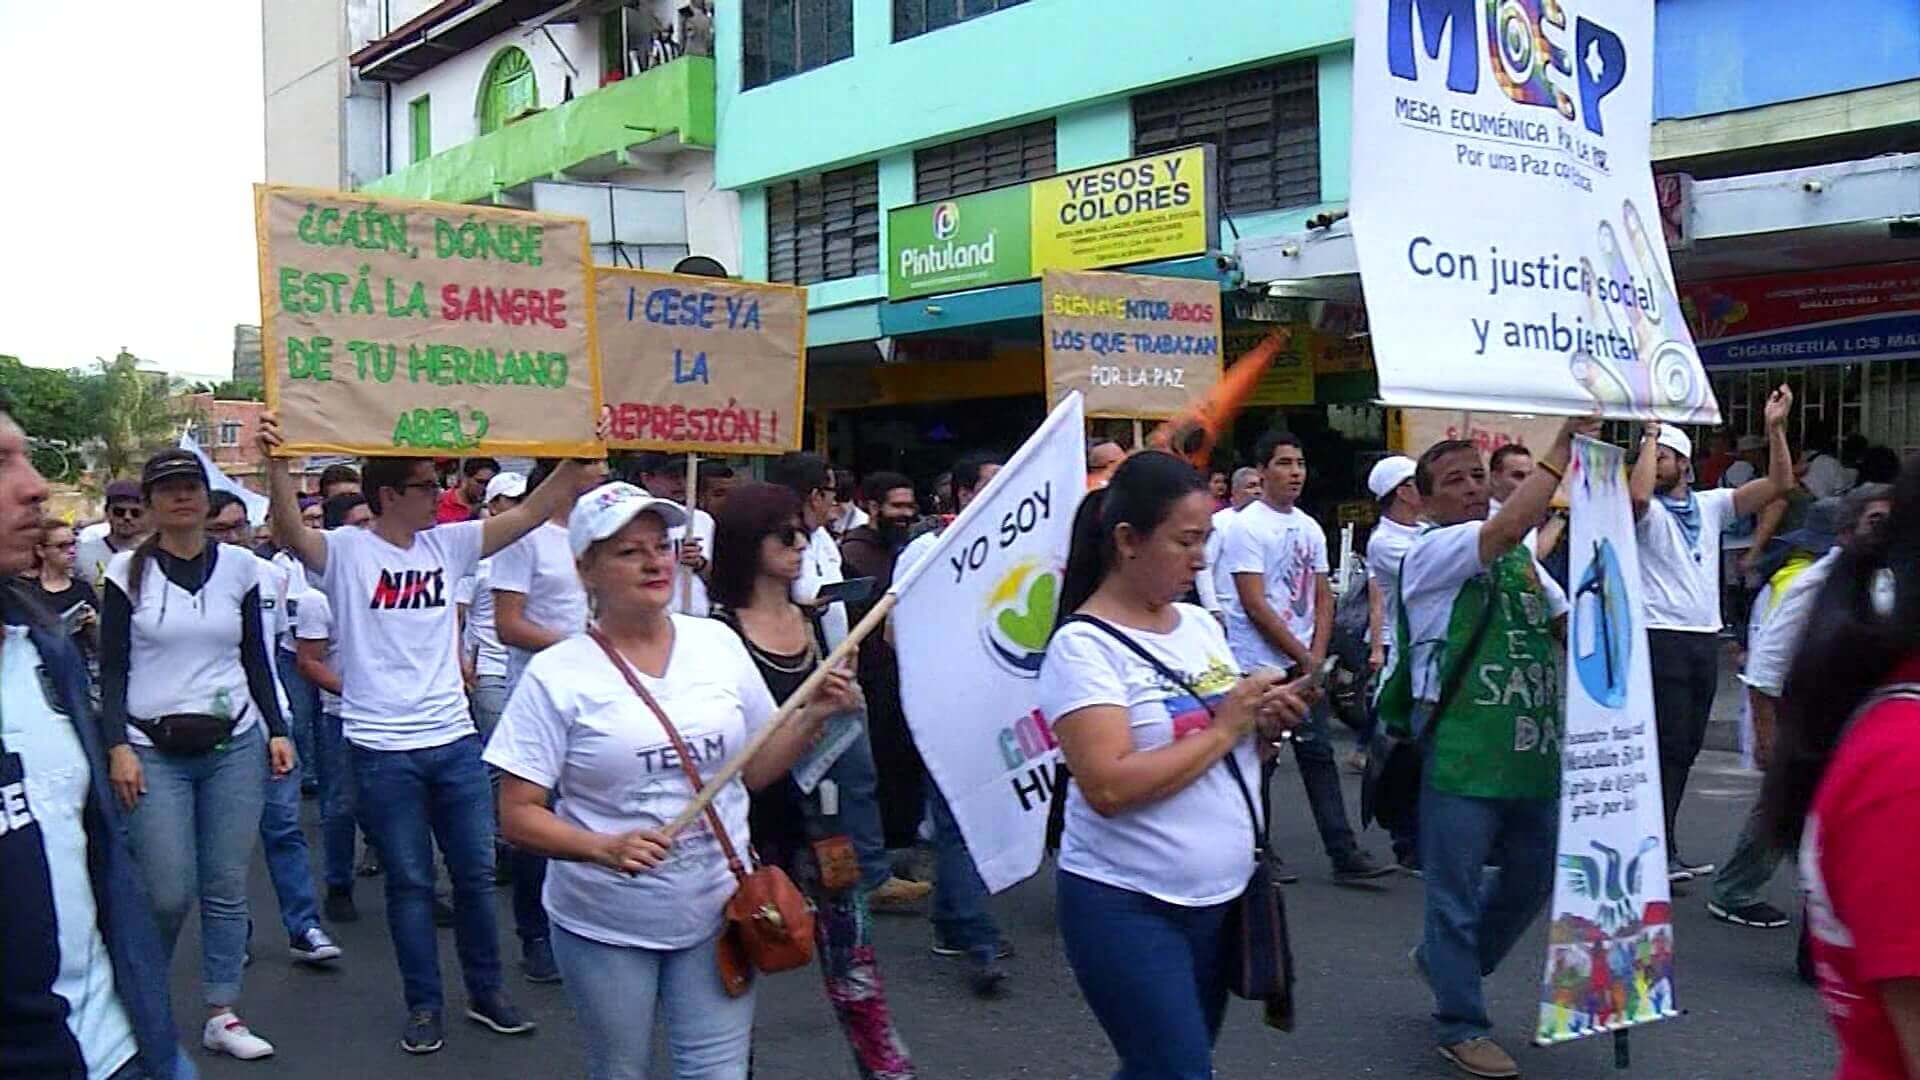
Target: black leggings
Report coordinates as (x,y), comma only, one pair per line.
(1686,673)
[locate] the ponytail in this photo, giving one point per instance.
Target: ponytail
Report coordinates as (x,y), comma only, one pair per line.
(1088,556)
(138,571)
(1140,495)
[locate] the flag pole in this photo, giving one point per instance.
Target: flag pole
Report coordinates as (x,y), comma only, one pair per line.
(794,703)
(683,577)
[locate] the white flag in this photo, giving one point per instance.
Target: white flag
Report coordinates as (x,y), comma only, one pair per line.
(971,627)
(217,480)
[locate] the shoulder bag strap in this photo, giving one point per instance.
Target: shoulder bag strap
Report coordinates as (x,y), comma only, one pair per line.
(679,747)
(1258,816)
(1460,664)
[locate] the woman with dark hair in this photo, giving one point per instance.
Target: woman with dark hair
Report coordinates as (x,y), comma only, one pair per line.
(759,542)
(69,597)
(185,686)
(1845,785)
(1157,727)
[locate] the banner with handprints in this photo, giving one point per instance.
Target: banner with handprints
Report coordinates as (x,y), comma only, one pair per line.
(1610,945)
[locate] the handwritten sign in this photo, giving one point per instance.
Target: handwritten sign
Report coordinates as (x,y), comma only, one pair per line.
(700,363)
(396,327)
(1133,344)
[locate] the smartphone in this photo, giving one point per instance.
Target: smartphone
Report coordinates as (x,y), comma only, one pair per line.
(850,591)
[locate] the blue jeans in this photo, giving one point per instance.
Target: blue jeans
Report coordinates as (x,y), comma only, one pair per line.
(1150,971)
(489,699)
(1474,916)
(286,849)
(411,800)
(336,802)
(1313,751)
(960,918)
(304,697)
(858,784)
(192,834)
(617,989)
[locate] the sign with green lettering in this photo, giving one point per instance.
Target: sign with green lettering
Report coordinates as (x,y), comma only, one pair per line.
(395,327)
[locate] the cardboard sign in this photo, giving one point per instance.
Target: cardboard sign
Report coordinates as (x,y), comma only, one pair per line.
(699,363)
(1413,430)
(395,327)
(1133,344)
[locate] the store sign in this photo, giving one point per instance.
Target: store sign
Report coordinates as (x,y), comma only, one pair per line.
(699,363)
(1855,313)
(1289,379)
(428,329)
(1143,210)
(1506,225)
(1134,345)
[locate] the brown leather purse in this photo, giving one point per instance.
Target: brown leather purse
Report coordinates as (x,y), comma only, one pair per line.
(769,922)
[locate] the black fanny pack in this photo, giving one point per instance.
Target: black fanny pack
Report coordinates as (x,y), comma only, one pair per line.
(189,734)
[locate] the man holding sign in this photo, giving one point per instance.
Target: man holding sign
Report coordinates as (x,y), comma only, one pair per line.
(416,754)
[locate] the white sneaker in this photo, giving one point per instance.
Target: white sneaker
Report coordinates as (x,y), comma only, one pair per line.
(313,946)
(225,1034)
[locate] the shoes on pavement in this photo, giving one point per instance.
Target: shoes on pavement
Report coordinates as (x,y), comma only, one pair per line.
(1284,874)
(1481,1056)
(313,946)
(984,973)
(1409,865)
(369,865)
(339,907)
(423,1034)
(1357,867)
(442,912)
(1002,951)
(536,960)
(898,896)
(225,1034)
(1680,870)
(1760,915)
(495,1011)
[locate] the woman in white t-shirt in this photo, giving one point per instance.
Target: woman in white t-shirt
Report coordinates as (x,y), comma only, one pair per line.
(1158,837)
(186,684)
(636,913)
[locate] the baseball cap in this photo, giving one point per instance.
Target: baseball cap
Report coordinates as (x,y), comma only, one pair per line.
(510,484)
(123,491)
(169,464)
(1676,440)
(1389,473)
(606,510)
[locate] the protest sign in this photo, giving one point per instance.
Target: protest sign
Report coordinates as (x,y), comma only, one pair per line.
(1610,944)
(971,623)
(1132,344)
(396,327)
(1411,431)
(1505,221)
(700,363)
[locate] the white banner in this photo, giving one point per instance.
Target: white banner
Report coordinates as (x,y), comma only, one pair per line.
(218,480)
(1610,945)
(971,627)
(1504,217)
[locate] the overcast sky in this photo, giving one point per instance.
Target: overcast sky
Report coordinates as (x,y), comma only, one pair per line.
(130,138)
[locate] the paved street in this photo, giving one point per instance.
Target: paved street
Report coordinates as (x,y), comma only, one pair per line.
(1362,1013)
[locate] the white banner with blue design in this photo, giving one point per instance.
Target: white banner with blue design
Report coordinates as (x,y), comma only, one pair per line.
(971,626)
(1503,210)
(1610,945)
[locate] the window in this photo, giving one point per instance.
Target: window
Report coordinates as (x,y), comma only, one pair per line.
(786,37)
(420,127)
(984,161)
(507,90)
(911,18)
(824,227)
(1264,126)
(229,433)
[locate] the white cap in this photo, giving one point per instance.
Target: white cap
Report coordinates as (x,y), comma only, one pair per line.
(1389,473)
(1676,440)
(511,484)
(606,510)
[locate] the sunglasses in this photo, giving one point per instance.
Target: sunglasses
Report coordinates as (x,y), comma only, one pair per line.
(126,513)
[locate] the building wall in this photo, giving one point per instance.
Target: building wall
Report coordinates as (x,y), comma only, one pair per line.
(240,458)
(1716,56)
(304,77)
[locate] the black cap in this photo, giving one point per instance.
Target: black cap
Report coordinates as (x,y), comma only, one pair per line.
(168,464)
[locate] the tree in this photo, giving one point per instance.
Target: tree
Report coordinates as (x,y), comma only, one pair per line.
(133,413)
(49,405)
(232,390)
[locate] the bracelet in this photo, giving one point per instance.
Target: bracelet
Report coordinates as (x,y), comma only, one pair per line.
(1557,474)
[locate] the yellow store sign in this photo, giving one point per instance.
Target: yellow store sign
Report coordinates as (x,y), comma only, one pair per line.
(1143,210)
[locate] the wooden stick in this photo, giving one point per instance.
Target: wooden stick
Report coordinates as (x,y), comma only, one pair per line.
(1139,434)
(788,708)
(683,577)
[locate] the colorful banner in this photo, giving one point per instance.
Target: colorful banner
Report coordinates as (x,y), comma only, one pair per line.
(394,327)
(1133,345)
(971,627)
(700,363)
(1143,210)
(1505,223)
(1610,945)
(1826,316)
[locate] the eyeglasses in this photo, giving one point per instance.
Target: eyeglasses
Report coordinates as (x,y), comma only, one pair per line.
(126,513)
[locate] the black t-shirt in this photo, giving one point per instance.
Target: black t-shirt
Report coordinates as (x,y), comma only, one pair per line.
(777,813)
(61,603)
